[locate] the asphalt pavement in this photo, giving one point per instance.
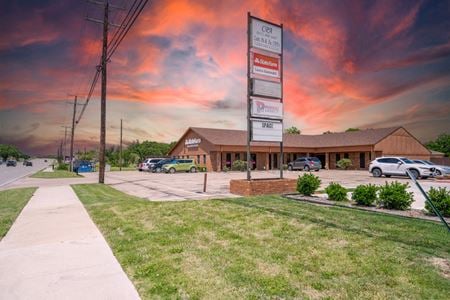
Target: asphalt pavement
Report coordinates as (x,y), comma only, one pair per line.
(11,174)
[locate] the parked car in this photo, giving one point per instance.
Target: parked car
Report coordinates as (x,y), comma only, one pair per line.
(11,163)
(305,163)
(389,166)
(180,165)
(147,164)
(157,167)
(440,169)
(28,163)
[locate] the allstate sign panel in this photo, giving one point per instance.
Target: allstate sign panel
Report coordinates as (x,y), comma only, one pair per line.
(266,65)
(266,109)
(267,131)
(266,36)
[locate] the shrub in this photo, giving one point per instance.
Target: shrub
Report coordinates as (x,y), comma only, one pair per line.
(307,184)
(441,200)
(336,192)
(62,166)
(344,163)
(225,169)
(285,166)
(365,194)
(395,196)
(239,165)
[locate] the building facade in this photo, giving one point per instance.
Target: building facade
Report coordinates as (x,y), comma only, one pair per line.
(219,148)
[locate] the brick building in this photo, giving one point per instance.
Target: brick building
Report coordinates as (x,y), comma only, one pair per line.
(218,148)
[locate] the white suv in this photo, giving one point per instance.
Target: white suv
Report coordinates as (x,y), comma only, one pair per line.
(388,166)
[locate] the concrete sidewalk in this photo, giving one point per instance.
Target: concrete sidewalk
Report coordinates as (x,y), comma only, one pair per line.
(54,251)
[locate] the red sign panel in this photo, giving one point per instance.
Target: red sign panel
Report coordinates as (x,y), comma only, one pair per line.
(266,65)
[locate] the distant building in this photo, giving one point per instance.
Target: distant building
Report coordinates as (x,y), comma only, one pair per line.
(218,148)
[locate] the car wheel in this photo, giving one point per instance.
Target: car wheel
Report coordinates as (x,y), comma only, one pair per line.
(438,173)
(376,172)
(290,167)
(306,168)
(172,170)
(414,173)
(193,170)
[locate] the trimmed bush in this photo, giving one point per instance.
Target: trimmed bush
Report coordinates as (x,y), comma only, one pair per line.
(344,163)
(441,200)
(308,184)
(395,196)
(62,166)
(365,194)
(336,192)
(239,165)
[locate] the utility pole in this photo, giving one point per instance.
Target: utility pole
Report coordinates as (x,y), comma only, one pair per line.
(120,147)
(65,141)
(73,133)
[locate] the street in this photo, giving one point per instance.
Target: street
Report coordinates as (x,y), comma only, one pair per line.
(11,174)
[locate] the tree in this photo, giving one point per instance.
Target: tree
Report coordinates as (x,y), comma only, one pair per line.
(441,144)
(292,130)
(352,129)
(7,151)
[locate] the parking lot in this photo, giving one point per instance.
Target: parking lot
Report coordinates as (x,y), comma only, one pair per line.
(186,186)
(180,186)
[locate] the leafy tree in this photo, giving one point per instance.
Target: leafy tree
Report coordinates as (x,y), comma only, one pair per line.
(292,130)
(352,129)
(7,151)
(441,144)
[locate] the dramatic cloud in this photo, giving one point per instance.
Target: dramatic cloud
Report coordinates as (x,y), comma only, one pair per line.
(347,64)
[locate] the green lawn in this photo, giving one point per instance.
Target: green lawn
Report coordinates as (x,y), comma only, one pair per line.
(11,204)
(55,174)
(123,169)
(269,247)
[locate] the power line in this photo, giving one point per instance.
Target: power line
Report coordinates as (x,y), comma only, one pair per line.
(139,9)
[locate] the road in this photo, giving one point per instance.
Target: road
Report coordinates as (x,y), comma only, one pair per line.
(11,174)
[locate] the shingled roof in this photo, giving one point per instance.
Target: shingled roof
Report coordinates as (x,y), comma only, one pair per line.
(229,137)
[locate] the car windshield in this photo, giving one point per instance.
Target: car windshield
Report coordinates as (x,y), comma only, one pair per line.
(407,161)
(155,160)
(429,162)
(419,162)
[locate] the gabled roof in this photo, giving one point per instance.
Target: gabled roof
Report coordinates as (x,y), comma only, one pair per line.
(229,137)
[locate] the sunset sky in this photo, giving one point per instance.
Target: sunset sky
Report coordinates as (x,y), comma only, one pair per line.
(365,64)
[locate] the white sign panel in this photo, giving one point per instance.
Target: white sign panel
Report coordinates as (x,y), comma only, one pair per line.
(266,88)
(266,109)
(193,142)
(267,131)
(266,36)
(266,65)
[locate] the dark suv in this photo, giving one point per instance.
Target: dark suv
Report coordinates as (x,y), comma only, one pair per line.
(158,166)
(305,163)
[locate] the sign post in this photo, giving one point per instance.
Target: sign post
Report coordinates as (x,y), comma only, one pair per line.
(264,85)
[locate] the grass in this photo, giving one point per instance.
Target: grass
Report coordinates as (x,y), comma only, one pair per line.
(55,174)
(11,204)
(269,247)
(123,169)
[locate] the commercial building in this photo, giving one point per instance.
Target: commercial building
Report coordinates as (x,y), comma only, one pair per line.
(218,148)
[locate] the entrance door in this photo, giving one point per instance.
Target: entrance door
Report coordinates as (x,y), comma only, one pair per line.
(253,158)
(228,160)
(362,160)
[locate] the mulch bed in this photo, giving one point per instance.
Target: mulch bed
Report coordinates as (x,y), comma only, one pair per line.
(412,213)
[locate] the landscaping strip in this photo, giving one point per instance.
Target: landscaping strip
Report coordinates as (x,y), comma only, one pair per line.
(55,174)
(268,247)
(11,204)
(412,213)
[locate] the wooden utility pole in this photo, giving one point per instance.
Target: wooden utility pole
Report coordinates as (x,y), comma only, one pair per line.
(101,173)
(120,147)
(73,133)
